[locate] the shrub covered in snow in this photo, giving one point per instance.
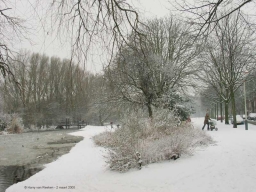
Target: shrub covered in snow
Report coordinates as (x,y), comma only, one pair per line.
(154,140)
(14,124)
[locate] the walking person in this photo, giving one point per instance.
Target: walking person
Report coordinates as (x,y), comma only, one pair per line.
(206,120)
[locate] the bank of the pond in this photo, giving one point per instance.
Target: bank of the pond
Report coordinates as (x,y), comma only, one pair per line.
(22,155)
(228,165)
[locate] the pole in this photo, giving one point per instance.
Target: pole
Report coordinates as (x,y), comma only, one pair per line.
(245,109)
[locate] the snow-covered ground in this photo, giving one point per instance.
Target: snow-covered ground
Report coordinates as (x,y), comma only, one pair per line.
(227,166)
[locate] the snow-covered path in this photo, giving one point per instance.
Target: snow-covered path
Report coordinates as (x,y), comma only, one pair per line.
(227,166)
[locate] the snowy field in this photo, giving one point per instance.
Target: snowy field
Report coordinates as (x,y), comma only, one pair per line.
(227,166)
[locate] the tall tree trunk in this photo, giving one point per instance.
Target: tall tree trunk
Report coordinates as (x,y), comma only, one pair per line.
(217,111)
(252,106)
(215,115)
(100,119)
(226,112)
(221,112)
(233,106)
(150,112)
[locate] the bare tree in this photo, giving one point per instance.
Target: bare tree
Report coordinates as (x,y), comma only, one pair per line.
(143,72)
(228,54)
(94,21)
(52,89)
(251,90)
(11,29)
(207,14)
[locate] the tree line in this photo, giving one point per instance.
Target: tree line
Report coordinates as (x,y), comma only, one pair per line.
(48,90)
(228,61)
(156,66)
(146,73)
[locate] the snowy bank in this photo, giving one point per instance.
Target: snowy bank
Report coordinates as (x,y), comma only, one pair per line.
(229,165)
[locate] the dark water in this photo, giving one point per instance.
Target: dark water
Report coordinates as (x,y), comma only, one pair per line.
(14,174)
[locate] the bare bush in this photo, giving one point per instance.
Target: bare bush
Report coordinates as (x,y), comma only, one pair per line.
(103,139)
(15,125)
(155,140)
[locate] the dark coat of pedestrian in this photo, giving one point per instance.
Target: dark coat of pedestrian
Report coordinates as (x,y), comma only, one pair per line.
(206,121)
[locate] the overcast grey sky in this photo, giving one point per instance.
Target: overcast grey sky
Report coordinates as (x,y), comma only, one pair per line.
(43,39)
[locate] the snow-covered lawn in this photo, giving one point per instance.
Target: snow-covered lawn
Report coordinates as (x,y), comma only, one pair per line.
(227,166)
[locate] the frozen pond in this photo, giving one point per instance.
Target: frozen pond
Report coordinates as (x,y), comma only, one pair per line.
(23,155)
